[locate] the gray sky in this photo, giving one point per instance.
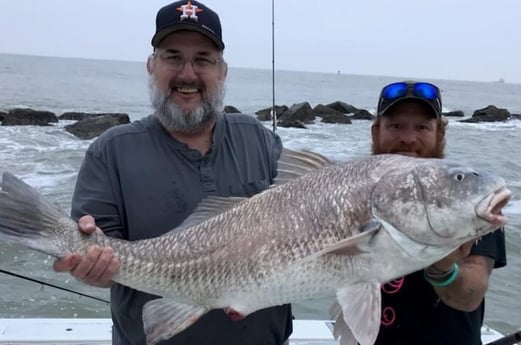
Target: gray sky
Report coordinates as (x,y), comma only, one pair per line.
(441,39)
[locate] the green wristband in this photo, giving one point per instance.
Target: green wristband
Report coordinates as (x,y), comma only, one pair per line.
(446,282)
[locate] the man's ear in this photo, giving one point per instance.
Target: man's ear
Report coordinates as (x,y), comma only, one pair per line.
(375,129)
(150,64)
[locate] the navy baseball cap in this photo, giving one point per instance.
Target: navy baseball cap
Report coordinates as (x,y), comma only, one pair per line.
(188,15)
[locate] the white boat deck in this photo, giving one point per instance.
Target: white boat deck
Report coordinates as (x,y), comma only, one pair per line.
(98,332)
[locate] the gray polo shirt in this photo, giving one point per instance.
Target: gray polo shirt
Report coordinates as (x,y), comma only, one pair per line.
(138,182)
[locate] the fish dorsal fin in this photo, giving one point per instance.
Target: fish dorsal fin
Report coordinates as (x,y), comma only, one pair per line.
(293,164)
(208,208)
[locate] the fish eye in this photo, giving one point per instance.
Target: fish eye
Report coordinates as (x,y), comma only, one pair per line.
(459,177)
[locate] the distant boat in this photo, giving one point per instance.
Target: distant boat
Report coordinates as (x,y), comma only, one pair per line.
(501,81)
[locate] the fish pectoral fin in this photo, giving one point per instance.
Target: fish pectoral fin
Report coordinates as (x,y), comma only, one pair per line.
(369,226)
(163,318)
(353,245)
(360,304)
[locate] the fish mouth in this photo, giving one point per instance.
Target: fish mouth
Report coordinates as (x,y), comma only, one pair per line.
(489,209)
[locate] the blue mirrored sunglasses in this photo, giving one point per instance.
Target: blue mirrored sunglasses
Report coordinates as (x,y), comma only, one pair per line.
(426,91)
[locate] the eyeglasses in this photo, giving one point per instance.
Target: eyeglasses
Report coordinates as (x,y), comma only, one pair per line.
(176,62)
(395,91)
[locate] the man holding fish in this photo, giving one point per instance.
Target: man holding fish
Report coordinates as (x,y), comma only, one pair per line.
(443,304)
(141,180)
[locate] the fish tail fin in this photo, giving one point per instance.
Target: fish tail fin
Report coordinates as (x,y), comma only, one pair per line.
(28,219)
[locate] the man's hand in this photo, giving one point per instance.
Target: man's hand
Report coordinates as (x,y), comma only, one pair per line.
(97,266)
(446,264)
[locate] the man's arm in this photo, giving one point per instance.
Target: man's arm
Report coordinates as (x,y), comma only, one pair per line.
(468,289)
(476,261)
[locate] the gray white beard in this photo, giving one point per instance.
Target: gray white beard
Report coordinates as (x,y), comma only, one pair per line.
(173,118)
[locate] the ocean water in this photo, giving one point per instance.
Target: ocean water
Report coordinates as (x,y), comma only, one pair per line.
(48,157)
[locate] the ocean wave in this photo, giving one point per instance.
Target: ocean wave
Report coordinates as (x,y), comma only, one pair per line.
(513,208)
(512,125)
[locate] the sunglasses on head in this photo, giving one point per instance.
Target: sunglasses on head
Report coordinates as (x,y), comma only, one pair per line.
(394,91)
(424,90)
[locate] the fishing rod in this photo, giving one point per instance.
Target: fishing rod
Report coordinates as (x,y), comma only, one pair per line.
(510,339)
(273,111)
(52,285)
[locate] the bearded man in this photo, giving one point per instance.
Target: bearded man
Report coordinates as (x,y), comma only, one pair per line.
(445,302)
(143,179)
